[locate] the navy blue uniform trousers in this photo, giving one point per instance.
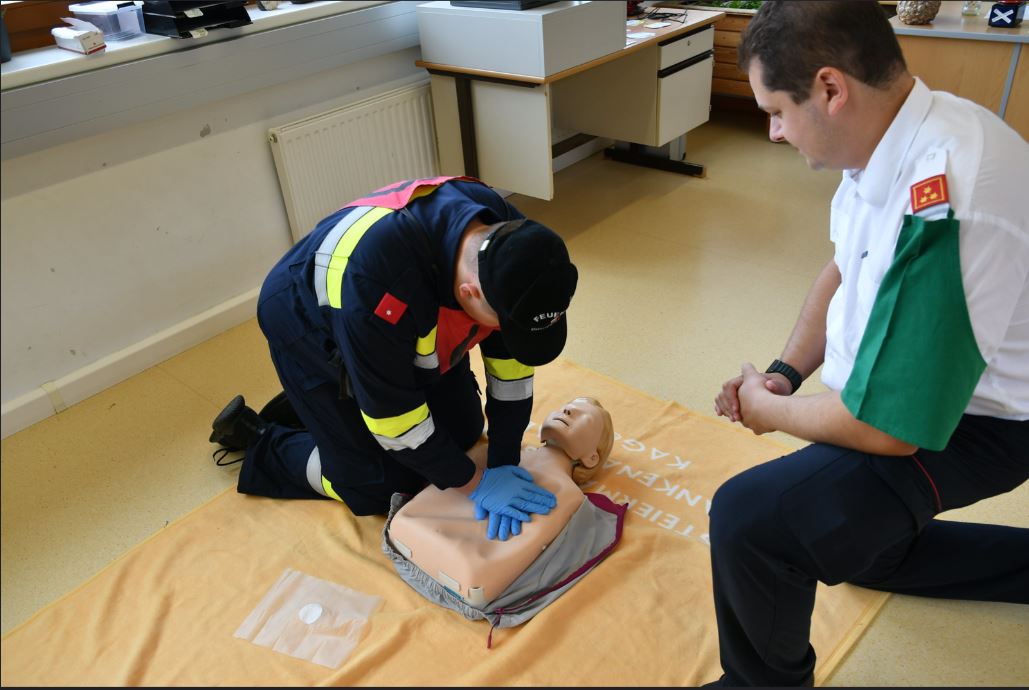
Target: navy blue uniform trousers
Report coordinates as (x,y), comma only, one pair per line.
(829,514)
(362,473)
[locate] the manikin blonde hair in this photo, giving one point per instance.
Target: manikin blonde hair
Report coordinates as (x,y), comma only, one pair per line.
(582,474)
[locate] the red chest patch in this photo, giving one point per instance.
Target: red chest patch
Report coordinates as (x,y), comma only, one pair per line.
(390,309)
(929,192)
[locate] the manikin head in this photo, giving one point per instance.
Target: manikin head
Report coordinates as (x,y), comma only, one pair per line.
(582,428)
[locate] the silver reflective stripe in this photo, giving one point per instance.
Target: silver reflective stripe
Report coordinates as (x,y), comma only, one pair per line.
(508,390)
(323,256)
(426,361)
(412,438)
(314,471)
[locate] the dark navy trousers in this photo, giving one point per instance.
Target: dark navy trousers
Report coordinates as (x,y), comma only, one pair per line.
(829,514)
(360,471)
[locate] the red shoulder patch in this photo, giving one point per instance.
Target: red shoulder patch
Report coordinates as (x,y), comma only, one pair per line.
(929,192)
(390,309)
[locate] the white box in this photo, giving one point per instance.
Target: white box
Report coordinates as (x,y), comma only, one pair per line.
(118,20)
(81,37)
(536,42)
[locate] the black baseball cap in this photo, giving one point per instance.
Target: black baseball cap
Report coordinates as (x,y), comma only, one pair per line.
(528,279)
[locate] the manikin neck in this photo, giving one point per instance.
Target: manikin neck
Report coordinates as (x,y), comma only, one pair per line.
(556,456)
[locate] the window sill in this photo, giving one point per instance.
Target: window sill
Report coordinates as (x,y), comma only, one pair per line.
(43,64)
(51,95)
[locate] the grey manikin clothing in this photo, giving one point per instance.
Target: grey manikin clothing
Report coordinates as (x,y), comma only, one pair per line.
(589,536)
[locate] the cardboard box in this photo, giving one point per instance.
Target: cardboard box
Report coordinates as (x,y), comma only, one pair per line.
(80,37)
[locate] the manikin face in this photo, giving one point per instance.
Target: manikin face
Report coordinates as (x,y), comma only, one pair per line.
(576,428)
(803,125)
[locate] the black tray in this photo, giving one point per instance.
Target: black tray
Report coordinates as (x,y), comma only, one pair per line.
(178,8)
(218,16)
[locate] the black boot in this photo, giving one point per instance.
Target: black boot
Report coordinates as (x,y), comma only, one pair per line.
(279,410)
(237,426)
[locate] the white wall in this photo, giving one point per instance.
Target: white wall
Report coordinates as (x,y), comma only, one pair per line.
(124,237)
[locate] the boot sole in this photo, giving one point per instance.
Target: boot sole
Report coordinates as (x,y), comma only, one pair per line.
(224,421)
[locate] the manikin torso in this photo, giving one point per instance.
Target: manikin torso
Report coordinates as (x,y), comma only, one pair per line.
(437,530)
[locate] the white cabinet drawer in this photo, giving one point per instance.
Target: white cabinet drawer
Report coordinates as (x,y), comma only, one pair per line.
(686,46)
(684,100)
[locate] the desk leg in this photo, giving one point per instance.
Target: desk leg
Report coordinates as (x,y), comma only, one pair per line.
(654,157)
(466,119)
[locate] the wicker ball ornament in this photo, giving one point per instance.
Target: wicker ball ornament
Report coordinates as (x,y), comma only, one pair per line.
(917,11)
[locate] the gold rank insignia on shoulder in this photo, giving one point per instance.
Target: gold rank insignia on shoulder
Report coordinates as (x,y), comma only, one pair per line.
(929,192)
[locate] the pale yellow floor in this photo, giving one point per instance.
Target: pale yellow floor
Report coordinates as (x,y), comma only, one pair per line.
(681,279)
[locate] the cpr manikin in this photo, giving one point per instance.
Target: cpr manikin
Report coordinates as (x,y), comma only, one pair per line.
(437,530)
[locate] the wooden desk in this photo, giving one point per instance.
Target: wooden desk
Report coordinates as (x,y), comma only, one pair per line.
(969,58)
(498,126)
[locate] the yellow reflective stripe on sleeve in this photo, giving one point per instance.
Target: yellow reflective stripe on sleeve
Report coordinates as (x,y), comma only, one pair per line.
(393,427)
(507,369)
(327,485)
(405,431)
(334,253)
(411,439)
(425,351)
(426,344)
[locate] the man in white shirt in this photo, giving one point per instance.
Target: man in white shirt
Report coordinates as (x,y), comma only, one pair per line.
(921,326)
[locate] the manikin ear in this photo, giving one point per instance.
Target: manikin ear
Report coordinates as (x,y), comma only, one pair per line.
(590,461)
(832,89)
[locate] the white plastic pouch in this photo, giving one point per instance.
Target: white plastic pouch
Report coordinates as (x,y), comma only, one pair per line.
(309,618)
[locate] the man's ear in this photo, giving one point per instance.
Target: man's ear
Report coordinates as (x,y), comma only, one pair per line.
(469,291)
(832,88)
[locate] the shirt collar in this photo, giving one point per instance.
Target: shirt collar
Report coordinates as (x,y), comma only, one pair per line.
(880,175)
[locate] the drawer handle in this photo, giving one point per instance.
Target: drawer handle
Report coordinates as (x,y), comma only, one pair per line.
(680,37)
(680,66)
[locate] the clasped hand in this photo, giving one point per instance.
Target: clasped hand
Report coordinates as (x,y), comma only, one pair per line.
(741,399)
(507,495)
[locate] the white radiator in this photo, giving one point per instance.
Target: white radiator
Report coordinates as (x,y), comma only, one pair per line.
(327,160)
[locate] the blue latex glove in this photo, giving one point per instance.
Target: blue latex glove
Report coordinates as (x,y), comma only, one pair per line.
(509,491)
(500,526)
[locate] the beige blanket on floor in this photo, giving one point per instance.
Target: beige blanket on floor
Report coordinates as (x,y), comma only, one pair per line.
(165,613)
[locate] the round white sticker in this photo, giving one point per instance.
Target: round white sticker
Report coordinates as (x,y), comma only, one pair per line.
(310,613)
